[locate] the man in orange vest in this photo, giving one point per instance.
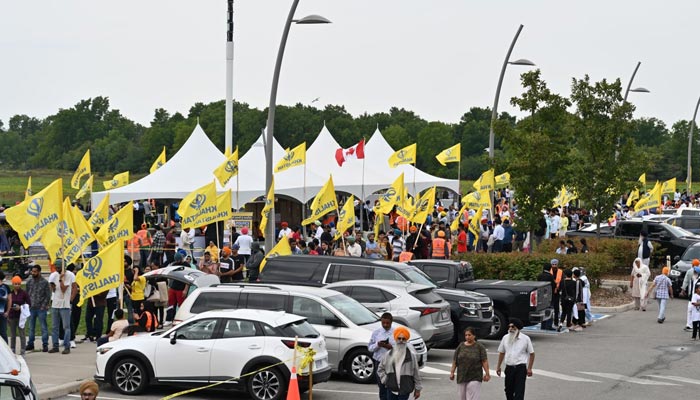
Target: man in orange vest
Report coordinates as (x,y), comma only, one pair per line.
(441,250)
(145,241)
(557,274)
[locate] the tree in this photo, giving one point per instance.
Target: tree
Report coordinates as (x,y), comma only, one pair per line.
(604,160)
(536,150)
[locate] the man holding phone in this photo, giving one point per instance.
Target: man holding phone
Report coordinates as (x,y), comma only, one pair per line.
(380,343)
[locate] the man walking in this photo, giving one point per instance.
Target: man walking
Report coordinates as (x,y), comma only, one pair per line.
(516,349)
(399,369)
(39,296)
(380,343)
(64,289)
(664,291)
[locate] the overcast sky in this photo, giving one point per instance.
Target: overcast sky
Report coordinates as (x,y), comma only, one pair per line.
(435,57)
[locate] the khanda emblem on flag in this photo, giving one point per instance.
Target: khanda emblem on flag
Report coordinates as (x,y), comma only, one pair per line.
(231,167)
(477,196)
(198,201)
(114,225)
(159,164)
(289,156)
(341,214)
(62,229)
(389,195)
(35,207)
(401,155)
(115,182)
(92,269)
(421,206)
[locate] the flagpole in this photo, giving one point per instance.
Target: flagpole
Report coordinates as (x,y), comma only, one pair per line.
(238,205)
(362,199)
(303,204)
(414,179)
(459,173)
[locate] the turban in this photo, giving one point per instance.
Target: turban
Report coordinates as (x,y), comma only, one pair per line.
(401,331)
(89,385)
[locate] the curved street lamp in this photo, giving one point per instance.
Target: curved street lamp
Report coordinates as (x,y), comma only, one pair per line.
(629,85)
(494,110)
(269,137)
(690,144)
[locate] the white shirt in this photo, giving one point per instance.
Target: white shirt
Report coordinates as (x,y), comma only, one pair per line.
(354,250)
(59,298)
(518,352)
(498,232)
(187,238)
(284,233)
(695,310)
(319,232)
(244,241)
(555,224)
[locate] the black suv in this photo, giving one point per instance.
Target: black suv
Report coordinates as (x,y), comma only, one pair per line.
(467,308)
(670,238)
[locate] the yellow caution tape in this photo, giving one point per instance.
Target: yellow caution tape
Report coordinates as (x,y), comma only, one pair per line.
(307,357)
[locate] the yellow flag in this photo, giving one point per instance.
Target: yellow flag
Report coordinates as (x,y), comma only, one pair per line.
(28,192)
(227,169)
(486,181)
(478,199)
(323,203)
(87,188)
(668,186)
(407,155)
(292,158)
(346,217)
(651,199)
(70,237)
(281,249)
(223,207)
(393,196)
(199,207)
(643,179)
(103,272)
(269,204)
(227,152)
(378,222)
(474,224)
(424,206)
(559,200)
(634,195)
(453,154)
(119,180)
(455,224)
(568,195)
(100,214)
(37,214)
(83,170)
(159,162)
(502,180)
(119,228)
(405,208)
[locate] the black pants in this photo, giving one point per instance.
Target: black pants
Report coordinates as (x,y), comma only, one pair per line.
(112,303)
(555,305)
(566,309)
(497,246)
(94,317)
(515,381)
(696,329)
(508,247)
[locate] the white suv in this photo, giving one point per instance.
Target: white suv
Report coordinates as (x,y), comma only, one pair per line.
(250,350)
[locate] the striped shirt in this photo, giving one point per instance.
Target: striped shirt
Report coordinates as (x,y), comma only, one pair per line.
(662,283)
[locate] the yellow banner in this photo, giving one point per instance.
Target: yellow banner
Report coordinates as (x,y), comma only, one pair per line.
(407,155)
(643,179)
(478,199)
(281,249)
(323,203)
(83,170)
(159,162)
(651,199)
(486,181)
(228,169)
(292,158)
(634,195)
(424,206)
(118,180)
(119,228)
(37,214)
(103,272)
(87,188)
(457,221)
(269,205)
(502,180)
(28,191)
(223,207)
(199,207)
(100,214)
(394,195)
(474,224)
(346,217)
(668,186)
(453,154)
(71,236)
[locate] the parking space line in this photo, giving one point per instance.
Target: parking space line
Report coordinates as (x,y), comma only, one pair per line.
(676,378)
(344,391)
(562,376)
(629,379)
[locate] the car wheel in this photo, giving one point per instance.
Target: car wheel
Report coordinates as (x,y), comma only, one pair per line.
(361,366)
(500,325)
(268,384)
(129,376)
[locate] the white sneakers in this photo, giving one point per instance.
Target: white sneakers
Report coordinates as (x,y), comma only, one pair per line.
(72,344)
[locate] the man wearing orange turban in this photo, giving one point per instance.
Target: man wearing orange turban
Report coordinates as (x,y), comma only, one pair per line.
(398,370)
(664,291)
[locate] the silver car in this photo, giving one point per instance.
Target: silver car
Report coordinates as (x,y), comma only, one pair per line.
(415,305)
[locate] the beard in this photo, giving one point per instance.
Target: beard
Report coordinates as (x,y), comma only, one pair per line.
(398,353)
(512,336)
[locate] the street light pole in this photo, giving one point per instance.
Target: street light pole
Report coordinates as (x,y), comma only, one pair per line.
(494,111)
(629,84)
(228,123)
(690,145)
(269,137)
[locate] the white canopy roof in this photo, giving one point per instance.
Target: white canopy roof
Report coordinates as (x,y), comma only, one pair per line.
(192,166)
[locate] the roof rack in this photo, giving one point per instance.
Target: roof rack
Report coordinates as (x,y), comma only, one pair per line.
(243,284)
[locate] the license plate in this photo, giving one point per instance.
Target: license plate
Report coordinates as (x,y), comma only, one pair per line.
(445,314)
(318,364)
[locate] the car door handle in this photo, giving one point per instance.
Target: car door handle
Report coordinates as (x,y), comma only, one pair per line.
(382,309)
(254,347)
(202,350)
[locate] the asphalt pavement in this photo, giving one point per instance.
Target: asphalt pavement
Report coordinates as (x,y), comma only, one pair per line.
(624,355)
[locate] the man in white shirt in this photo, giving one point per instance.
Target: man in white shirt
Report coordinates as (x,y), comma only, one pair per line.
(317,230)
(554,227)
(63,287)
(284,232)
(516,349)
(498,236)
(353,249)
(187,240)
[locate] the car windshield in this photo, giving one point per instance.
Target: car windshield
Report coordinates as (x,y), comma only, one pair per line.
(354,311)
(692,253)
(418,276)
(11,391)
(299,328)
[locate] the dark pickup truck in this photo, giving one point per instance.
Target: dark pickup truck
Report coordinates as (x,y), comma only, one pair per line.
(528,301)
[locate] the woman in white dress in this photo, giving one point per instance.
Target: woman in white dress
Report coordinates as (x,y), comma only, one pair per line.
(638,283)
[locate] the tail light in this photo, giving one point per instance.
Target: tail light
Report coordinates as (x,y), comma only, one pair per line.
(290,343)
(533,298)
(426,310)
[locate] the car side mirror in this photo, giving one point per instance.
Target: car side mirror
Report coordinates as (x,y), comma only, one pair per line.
(173,339)
(676,258)
(334,322)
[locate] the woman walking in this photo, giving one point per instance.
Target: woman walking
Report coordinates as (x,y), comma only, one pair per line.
(16,300)
(472,367)
(638,283)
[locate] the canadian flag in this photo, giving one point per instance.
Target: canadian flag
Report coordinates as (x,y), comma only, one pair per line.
(356,151)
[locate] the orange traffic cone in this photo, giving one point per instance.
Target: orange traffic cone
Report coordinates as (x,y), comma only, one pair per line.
(293,390)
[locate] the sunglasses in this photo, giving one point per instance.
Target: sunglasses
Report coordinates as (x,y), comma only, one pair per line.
(401,339)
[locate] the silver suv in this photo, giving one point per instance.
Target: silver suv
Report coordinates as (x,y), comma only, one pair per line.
(346,324)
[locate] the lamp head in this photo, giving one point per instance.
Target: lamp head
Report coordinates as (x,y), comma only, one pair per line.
(522,61)
(640,90)
(312,19)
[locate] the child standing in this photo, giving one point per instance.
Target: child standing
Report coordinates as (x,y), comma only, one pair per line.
(695,312)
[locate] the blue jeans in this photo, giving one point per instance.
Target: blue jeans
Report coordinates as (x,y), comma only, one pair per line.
(392,396)
(64,315)
(34,313)
(662,308)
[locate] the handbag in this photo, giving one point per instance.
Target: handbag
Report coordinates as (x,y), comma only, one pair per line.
(154,294)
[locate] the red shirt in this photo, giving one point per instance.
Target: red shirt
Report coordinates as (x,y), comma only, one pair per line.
(462,242)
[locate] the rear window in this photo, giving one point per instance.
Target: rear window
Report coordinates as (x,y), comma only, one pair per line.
(281,271)
(629,229)
(427,296)
(437,272)
(299,328)
(339,273)
(215,301)
(266,301)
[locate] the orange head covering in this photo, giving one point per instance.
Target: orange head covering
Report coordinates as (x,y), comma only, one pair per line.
(665,270)
(89,385)
(16,280)
(226,250)
(400,330)
(696,262)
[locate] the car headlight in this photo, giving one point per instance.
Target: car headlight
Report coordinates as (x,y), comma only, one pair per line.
(103,350)
(469,306)
(675,273)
